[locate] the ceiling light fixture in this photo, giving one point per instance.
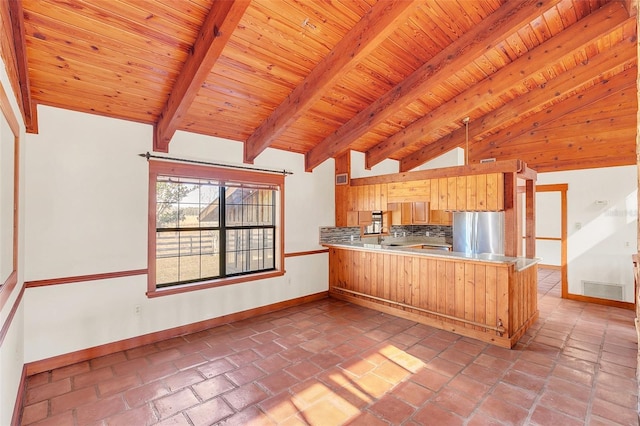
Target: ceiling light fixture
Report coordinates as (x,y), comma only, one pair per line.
(466,138)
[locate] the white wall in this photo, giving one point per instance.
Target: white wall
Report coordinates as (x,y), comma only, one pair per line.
(12,349)
(86,212)
(455,157)
(11,363)
(601,237)
(358,170)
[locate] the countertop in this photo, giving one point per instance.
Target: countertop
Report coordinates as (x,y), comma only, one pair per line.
(404,246)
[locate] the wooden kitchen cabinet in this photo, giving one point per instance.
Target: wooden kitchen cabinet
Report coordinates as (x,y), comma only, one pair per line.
(414,213)
(468,192)
(359,218)
(420,212)
(483,192)
(352,218)
(395,213)
(476,187)
(406,214)
(440,217)
(487,300)
(368,197)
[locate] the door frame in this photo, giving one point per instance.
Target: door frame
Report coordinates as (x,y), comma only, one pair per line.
(562,188)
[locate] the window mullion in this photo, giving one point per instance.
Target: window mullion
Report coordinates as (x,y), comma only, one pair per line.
(223,231)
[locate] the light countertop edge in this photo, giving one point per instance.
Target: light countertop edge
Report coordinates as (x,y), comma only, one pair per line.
(520,263)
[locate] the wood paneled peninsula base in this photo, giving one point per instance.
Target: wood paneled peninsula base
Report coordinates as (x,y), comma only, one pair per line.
(486,297)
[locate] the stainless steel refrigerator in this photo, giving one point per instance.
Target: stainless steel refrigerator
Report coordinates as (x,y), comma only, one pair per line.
(478,232)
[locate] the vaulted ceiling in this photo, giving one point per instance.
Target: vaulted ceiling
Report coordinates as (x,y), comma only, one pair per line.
(551,82)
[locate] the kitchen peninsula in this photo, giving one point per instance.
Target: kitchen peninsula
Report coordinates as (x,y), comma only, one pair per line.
(488,297)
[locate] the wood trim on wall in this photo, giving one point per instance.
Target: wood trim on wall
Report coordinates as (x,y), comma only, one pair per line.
(7,111)
(7,288)
(16,199)
(12,280)
(109,348)
(219,282)
(306,253)
(84,278)
(231,280)
(342,165)
(7,323)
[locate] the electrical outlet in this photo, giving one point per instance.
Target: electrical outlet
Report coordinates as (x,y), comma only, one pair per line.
(137,309)
(427,233)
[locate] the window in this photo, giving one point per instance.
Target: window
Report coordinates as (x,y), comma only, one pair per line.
(212,226)
(9,188)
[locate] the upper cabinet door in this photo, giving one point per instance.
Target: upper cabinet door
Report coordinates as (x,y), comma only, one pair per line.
(420,213)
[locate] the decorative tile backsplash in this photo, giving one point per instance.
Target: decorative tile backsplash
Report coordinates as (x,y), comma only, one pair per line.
(344,234)
(339,235)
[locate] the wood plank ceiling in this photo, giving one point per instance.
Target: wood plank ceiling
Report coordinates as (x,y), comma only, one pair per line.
(552,82)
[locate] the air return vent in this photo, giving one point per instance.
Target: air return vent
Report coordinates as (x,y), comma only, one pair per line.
(602,290)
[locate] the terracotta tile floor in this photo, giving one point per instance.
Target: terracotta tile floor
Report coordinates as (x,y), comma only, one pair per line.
(330,363)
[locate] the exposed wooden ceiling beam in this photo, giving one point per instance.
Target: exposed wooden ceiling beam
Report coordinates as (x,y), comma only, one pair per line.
(602,90)
(374,27)
(597,97)
(604,21)
(29,110)
(632,7)
(471,45)
(222,20)
(600,134)
(621,55)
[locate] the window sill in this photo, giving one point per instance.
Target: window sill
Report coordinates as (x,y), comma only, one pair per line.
(211,284)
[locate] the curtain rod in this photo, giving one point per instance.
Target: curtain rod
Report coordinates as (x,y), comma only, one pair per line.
(231,166)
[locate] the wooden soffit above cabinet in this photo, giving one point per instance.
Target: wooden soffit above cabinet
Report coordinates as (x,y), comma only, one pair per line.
(552,82)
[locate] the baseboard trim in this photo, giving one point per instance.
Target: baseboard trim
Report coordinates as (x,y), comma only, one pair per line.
(16,419)
(555,267)
(64,360)
(599,301)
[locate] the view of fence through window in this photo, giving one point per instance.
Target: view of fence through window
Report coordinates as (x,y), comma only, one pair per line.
(207,229)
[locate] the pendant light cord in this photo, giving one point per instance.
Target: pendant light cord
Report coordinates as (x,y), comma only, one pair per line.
(466,138)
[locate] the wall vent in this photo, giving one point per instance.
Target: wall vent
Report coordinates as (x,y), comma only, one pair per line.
(342,179)
(602,290)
